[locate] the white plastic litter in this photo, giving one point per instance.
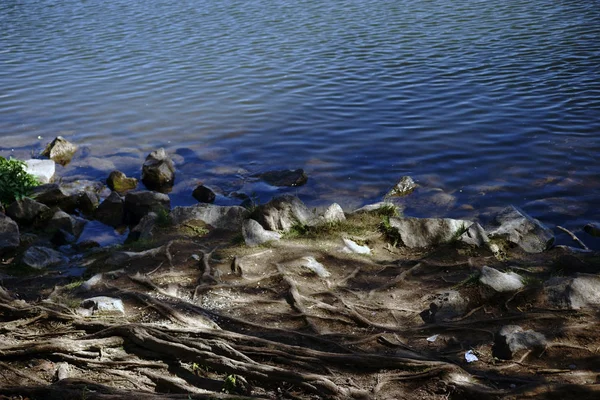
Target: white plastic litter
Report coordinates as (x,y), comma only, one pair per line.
(353,247)
(470,356)
(316,267)
(432,338)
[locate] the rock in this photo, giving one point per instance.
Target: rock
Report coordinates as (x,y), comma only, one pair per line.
(574,293)
(425,232)
(61,221)
(352,247)
(158,171)
(139,204)
(403,187)
(204,194)
(445,305)
(111,211)
(43,170)
(500,281)
(87,202)
(592,228)
(511,339)
(9,234)
(60,150)
(223,217)
(27,211)
(334,213)
(90,283)
(143,230)
(519,228)
(42,257)
(395,208)
(289,177)
(255,235)
(68,196)
(475,236)
(104,305)
(120,183)
(283,212)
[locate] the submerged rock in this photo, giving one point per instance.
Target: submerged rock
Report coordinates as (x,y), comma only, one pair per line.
(425,232)
(9,234)
(43,170)
(512,339)
(120,183)
(513,225)
(60,150)
(289,177)
(283,212)
(593,229)
(255,235)
(222,217)
(405,186)
(39,257)
(158,171)
(204,194)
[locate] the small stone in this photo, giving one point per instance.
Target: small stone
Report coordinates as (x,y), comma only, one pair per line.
(511,339)
(351,246)
(500,281)
(60,150)
(334,213)
(204,194)
(104,304)
(405,186)
(158,171)
(120,183)
(229,218)
(592,229)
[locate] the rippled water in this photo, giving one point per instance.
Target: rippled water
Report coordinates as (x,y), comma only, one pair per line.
(485,103)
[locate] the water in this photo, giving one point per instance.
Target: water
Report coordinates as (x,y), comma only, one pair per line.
(487,103)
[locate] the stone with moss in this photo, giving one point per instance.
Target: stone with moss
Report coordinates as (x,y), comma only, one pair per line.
(120,183)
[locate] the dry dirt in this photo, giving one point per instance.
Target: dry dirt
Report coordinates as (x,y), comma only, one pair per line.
(206,318)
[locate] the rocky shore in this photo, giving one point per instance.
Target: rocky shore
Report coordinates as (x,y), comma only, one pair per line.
(279,301)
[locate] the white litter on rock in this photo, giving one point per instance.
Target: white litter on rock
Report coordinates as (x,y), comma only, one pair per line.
(316,267)
(353,247)
(470,356)
(432,338)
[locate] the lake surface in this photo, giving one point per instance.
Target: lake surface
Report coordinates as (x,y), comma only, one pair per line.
(483,103)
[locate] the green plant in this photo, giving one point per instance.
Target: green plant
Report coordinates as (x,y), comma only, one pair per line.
(390,233)
(162,217)
(15,182)
(229,384)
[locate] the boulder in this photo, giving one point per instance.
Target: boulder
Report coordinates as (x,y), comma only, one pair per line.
(120,183)
(60,150)
(204,194)
(222,217)
(512,339)
(281,178)
(158,171)
(61,221)
(475,236)
(27,211)
(425,232)
(513,225)
(445,305)
(405,186)
(593,229)
(68,196)
(333,213)
(103,305)
(39,257)
(111,211)
(573,293)
(43,170)
(500,281)
(139,204)
(254,234)
(9,234)
(283,212)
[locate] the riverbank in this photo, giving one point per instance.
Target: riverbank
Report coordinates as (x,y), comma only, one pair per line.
(201,302)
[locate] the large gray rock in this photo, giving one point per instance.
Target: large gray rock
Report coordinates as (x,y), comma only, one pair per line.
(333,213)
(284,177)
(111,211)
(500,281)
(158,171)
(512,339)
(43,170)
(255,235)
(283,212)
(42,257)
(574,293)
(425,232)
(405,186)
(68,196)
(28,211)
(139,204)
(445,305)
(60,150)
(513,225)
(9,234)
(120,183)
(222,217)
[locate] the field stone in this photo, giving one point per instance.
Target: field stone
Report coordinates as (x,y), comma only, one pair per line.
(574,293)
(143,230)
(283,212)
(139,204)
(60,150)
(500,281)
(39,257)
(255,235)
(445,305)
(27,211)
(528,233)
(158,171)
(61,221)
(120,183)
(223,217)
(9,234)
(512,339)
(426,232)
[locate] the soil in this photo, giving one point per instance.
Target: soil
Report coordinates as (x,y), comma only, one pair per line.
(207,317)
